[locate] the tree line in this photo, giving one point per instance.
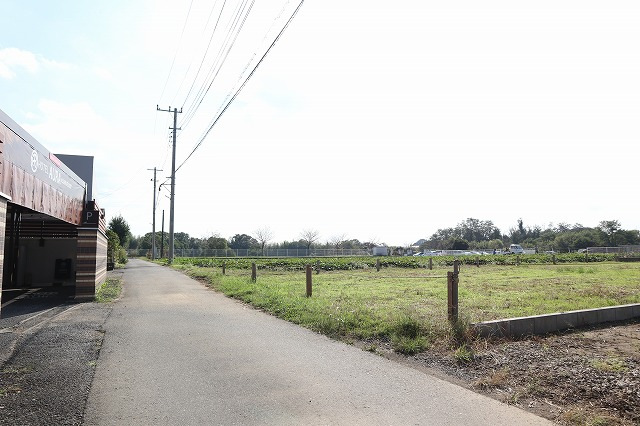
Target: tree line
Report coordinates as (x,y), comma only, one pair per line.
(474,234)
(484,235)
(259,239)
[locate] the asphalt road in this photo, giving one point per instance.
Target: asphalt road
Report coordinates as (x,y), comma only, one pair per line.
(176,352)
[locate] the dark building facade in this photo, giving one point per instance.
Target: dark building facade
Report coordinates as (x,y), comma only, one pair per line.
(51,232)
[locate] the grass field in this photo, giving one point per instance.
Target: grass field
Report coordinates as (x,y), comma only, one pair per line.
(409,305)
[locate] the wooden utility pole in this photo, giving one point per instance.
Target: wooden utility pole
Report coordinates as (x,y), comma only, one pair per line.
(173,179)
(162,237)
(452,292)
(309,280)
(153,229)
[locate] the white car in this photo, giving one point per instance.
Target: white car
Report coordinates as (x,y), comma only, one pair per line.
(515,249)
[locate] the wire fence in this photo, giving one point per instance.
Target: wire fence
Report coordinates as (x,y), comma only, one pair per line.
(267,252)
(620,249)
(323,252)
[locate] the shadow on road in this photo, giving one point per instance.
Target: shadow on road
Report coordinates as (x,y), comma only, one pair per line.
(25,301)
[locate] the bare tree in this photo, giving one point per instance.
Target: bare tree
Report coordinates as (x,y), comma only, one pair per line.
(336,240)
(309,236)
(263,235)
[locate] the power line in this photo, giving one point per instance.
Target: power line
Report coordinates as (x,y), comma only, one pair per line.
(193,57)
(177,49)
(219,61)
(295,12)
(208,46)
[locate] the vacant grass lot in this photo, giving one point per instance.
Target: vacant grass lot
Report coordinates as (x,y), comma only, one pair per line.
(409,305)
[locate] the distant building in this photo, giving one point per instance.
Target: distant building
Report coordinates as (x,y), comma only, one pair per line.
(380,251)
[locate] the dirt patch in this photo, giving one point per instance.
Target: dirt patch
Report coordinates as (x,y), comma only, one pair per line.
(586,377)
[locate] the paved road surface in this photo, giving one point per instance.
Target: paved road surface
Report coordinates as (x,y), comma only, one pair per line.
(177,353)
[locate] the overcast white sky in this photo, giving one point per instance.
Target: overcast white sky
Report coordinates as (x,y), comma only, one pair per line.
(373,119)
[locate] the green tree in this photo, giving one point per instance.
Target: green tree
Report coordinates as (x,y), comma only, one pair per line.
(217,242)
(181,240)
(242,241)
(113,242)
(623,237)
(477,230)
(115,251)
(456,244)
(610,227)
(121,227)
(580,239)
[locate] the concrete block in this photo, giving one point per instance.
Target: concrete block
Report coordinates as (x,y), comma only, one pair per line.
(485,329)
(587,317)
(521,326)
(624,313)
(543,324)
(606,314)
(567,320)
(497,328)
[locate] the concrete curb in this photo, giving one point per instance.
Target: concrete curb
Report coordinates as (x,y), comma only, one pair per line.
(543,324)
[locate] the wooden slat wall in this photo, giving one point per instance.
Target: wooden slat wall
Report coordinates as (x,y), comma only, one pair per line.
(91,263)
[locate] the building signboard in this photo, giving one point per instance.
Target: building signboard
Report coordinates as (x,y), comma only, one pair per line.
(35,178)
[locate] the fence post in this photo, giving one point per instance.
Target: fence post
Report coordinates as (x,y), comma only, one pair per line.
(452,292)
(254,274)
(478,261)
(378,264)
(518,260)
(224,267)
(317,267)
(309,278)
(553,257)
(430,263)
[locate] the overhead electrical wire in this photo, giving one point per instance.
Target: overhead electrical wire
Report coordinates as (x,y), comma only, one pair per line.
(203,57)
(177,49)
(256,53)
(226,106)
(208,46)
(231,36)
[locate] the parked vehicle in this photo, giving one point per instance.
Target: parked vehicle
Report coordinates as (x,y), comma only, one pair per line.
(515,249)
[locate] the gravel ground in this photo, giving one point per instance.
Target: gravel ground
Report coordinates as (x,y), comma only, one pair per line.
(47,362)
(584,377)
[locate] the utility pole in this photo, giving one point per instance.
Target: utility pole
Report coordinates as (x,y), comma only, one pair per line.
(153,229)
(162,237)
(173,178)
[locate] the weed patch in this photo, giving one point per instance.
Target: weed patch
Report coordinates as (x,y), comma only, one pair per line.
(580,416)
(609,365)
(408,345)
(109,290)
(464,354)
(499,379)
